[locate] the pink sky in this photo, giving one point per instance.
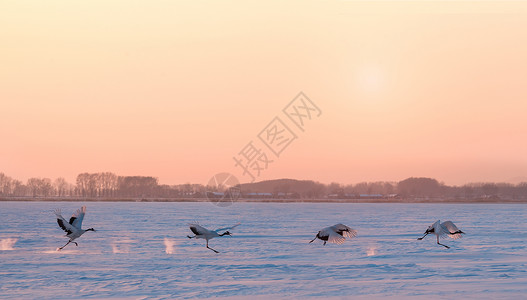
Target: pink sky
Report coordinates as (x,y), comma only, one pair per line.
(175,89)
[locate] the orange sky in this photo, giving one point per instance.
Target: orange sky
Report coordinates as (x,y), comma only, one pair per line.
(175,89)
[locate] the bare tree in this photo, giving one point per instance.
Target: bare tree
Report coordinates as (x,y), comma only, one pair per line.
(19,189)
(335,188)
(46,187)
(33,185)
(82,184)
(61,186)
(108,184)
(490,189)
(6,187)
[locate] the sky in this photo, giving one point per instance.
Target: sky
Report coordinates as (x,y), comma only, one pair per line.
(180,89)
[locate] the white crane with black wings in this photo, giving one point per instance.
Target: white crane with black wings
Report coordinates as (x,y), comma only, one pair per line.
(446,228)
(335,234)
(204,233)
(73,228)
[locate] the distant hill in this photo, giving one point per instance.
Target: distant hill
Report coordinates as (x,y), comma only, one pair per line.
(302,187)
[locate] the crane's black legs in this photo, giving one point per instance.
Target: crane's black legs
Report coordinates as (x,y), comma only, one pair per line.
(211,248)
(64,246)
(437,241)
(191,237)
(67,245)
(441,244)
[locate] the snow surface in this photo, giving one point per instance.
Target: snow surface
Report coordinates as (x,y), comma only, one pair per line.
(140,251)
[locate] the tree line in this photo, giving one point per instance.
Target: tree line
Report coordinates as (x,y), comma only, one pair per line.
(109,185)
(410,188)
(92,185)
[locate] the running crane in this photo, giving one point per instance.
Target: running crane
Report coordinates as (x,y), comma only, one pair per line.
(204,233)
(446,228)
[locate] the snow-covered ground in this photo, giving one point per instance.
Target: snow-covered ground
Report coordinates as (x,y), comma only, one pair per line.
(141,251)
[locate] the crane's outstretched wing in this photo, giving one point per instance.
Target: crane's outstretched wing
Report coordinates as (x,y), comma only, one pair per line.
(345,231)
(439,229)
(335,238)
(452,230)
(197,229)
(228,228)
(77,217)
(63,224)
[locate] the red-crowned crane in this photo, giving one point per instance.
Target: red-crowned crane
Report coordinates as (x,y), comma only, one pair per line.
(204,233)
(335,234)
(73,228)
(443,229)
